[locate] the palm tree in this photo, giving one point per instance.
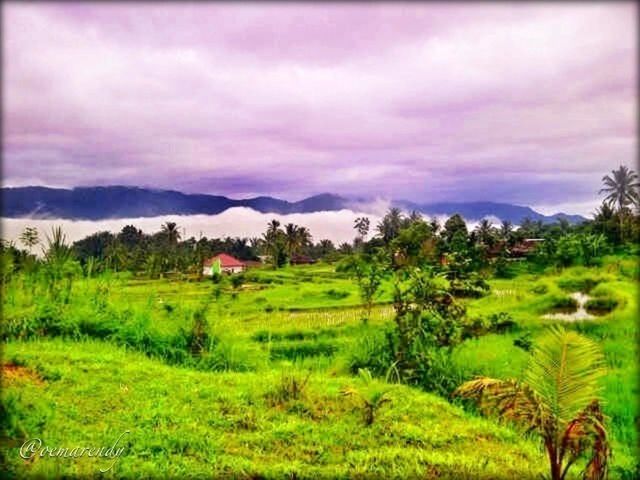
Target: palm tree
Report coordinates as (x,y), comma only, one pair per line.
(272,227)
(371,400)
(29,237)
(171,232)
(506,232)
(60,265)
(303,236)
(291,238)
(558,400)
(622,190)
(485,232)
(274,243)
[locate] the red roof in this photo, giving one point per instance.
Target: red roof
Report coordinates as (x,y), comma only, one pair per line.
(225,261)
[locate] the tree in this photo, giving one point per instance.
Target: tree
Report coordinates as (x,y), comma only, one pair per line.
(485,233)
(29,237)
(621,189)
(275,245)
(558,399)
(130,236)
(60,267)
(506,232)
(291,238)
(303,237)
(428,325)
(605,222)
(390,225)
(371,400)
(362,225)
(171,233)
(455,225)
(368,272)
(414,245)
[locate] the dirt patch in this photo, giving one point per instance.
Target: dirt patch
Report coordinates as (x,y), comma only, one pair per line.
(12,373)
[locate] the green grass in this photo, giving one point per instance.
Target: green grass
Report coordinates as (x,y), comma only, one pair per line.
(184,422)
(211,415)
(616,332)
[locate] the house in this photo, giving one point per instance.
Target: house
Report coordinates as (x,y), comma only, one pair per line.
(223,263)
(525,247)
(301,260)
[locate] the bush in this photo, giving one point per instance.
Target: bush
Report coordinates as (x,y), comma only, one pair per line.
(497,322)
(564,304)
(229,356)
(524,342)
(373,352)
(540,289)
(579,284)
(336,294)
(601,305)
(501,322)
(293,351)
(291,387)
(265,336)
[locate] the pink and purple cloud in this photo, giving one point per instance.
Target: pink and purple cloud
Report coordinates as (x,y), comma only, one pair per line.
(525,103)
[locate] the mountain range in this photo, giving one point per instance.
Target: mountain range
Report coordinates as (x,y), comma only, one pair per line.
(98,203)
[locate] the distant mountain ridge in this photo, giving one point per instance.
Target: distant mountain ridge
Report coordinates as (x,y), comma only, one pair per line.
(100,203)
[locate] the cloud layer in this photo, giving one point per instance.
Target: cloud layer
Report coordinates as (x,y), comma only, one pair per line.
(525,103)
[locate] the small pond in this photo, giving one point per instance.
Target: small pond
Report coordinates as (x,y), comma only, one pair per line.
(579,313)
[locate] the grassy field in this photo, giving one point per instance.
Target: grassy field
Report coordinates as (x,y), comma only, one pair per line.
(115,358)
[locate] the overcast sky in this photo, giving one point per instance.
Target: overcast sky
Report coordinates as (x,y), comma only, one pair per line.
(523,103)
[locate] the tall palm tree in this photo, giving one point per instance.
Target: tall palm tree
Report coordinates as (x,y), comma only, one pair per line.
(485,231)
(291,238)
(171,232)
(303,236)
(621,188)
(558,400)
(506,231)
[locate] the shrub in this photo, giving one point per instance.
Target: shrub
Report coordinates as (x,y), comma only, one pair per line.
(497,322)
(373,352)
(304,349)
(370,400)
(501,322)
(228,356)
(291,387)
(564,304)
(579,284)
(540,289)
(474,287)
(601,305)
(524,342)
(336,294)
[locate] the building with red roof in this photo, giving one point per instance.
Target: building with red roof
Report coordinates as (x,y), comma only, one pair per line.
(223,263)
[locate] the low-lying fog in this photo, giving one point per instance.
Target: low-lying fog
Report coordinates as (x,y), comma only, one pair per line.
(235,222)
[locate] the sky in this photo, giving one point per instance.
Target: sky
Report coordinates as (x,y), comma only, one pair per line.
(522,103)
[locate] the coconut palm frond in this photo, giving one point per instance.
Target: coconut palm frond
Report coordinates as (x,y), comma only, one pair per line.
(587,434)
(510,399)
(564,371)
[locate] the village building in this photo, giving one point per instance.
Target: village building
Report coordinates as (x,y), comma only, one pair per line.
(301,260)
(223,263)
(525,247)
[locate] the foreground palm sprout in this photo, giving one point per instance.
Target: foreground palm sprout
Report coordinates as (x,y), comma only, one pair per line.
(558,400)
